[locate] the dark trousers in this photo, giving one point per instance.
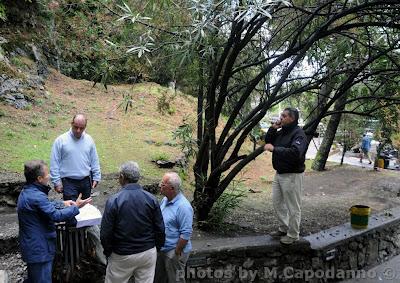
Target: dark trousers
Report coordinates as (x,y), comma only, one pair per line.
(72,188)
(39,272)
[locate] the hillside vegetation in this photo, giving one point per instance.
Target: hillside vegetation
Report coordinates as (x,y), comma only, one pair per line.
(141,134)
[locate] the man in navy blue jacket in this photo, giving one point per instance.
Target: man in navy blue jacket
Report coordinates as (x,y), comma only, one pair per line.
(132,229)
(288,144)
(36,217)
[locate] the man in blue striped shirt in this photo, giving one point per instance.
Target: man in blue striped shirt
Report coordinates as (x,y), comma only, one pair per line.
(178,219)
(74,163)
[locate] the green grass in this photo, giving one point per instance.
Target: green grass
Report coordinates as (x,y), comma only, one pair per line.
(19,145)
(32,133)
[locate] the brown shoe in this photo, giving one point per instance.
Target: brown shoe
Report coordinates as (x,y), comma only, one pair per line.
(286,240)
(277,234)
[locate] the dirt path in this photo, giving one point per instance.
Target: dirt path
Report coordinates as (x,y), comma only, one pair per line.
(326,200)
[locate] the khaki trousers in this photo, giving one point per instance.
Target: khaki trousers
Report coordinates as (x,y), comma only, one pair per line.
(286,197)
(141,265)
(170,267)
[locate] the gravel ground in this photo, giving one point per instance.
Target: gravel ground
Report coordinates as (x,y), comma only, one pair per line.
(327,198)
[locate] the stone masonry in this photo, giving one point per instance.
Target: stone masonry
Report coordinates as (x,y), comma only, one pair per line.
(328,256)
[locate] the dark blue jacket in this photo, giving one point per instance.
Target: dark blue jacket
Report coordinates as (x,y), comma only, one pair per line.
(290,146)
(36,217)
(132,222)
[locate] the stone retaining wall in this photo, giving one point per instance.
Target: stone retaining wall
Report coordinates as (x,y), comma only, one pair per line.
(331,255)
(10,187)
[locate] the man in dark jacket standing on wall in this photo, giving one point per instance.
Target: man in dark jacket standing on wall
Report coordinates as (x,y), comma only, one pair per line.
(132,229)
(288,144)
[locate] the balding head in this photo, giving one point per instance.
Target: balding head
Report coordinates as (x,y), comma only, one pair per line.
(78,125)
(79,118)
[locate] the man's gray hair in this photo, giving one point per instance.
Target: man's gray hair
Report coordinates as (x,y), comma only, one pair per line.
(130,171)
(33,169)
(175,181)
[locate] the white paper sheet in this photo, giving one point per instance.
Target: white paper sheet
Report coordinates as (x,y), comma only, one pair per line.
(88,216)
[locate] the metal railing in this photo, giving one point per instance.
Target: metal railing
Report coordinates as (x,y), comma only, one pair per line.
(70,246)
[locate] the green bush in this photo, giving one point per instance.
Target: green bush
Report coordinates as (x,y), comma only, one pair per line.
(52,121)
(396,140)
(160,156)
(164,104)
(227,202)
(16,61)
(3,14)
(10,134)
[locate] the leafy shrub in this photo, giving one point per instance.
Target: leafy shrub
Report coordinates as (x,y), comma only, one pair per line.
(57,108)
(160,156)
(164,103)
(184,136)
(10,134)
(16,61)
(396,140)
(35,123)
(52,121)
(3,14)
(227,202)
(39,101)
(9,71)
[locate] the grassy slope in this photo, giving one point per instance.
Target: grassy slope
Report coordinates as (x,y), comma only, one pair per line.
(29,134)
(119,136)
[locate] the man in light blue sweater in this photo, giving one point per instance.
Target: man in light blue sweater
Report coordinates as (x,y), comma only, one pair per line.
(74,163)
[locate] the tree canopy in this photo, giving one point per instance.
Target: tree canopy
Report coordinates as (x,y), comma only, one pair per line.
(261,53)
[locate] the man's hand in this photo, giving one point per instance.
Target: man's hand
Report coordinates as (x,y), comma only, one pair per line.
(82,202)
(178,252)
(94,184)
(58,188)
(269,147)
(69,203)
(179,246)
(277,125)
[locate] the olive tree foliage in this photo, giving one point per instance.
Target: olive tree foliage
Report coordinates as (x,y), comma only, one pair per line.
(261,53)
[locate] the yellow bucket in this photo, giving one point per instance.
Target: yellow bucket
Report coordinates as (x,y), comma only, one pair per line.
(381,163)
(359,215)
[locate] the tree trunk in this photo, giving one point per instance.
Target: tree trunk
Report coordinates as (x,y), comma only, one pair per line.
(203,205)
(343,153)
(323,151)
(200,99)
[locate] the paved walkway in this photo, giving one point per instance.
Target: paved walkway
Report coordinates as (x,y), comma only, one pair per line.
(387,272)
(349,158)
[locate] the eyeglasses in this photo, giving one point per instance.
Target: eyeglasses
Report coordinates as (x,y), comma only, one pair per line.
(163,185)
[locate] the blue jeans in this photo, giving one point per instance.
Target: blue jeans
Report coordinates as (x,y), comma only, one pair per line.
(39,272)
(72,188)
